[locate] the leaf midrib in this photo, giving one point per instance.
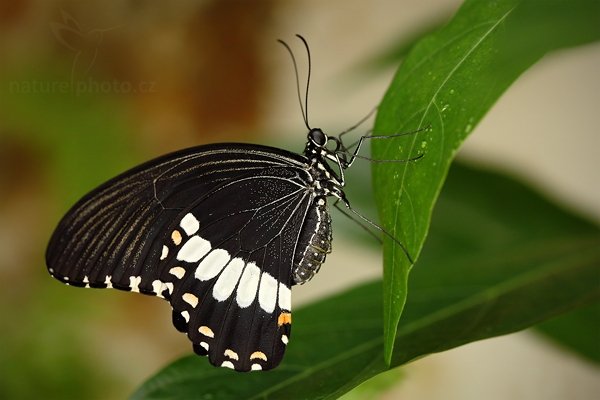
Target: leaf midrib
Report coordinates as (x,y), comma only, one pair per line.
(518,281)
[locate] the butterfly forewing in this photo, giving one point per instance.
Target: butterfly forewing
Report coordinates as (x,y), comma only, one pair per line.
(213,229)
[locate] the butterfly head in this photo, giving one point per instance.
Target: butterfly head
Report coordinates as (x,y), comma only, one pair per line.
(317,137)
(322,145)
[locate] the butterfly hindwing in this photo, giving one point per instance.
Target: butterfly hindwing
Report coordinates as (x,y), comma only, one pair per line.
(207,228)
(232,288)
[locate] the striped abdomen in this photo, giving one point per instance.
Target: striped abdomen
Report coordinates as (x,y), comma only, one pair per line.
(314,243)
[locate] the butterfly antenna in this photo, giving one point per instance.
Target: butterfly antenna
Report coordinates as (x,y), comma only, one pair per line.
(380,229)
(359,123)
(297,80)
(307,78)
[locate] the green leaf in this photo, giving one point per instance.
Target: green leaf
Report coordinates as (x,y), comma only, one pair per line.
(497,252)
(375,386)
(513,275)
(577,331)
(447,83)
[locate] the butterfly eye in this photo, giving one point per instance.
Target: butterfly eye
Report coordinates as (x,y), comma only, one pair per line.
(317,137)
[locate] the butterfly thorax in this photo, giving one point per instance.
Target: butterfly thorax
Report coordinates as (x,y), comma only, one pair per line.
(326,180)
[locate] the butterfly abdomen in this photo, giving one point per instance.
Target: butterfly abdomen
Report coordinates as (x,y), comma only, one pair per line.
(314,243)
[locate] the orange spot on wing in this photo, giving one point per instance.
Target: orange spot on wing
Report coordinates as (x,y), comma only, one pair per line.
(284,318)
(176,237)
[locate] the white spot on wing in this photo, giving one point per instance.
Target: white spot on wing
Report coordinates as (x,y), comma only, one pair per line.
(231,354)
(163,286)
(157,287)
(194,249)
(191,299)
(256,367)
(186,315)
(108,281)
(228,279)
(246,291)
(179,272)
(165,252)
(285,297)
(227,364)
(267,293)
(134,283)
(212,264)
(189,224)
(204,345)
(284,339)
(168,286)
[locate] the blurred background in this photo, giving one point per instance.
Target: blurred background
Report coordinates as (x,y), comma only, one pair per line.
(88,89)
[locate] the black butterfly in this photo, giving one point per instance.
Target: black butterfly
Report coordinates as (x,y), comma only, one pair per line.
(221,231)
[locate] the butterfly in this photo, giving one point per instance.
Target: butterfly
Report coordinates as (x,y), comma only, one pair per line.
(220,231)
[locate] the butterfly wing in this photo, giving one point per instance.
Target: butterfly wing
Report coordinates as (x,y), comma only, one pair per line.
(212,229)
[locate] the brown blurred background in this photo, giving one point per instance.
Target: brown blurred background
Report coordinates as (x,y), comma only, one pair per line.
(88,89)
